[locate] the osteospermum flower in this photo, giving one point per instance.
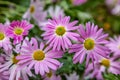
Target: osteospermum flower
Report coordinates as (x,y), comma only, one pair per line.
(18,29)
(40,59)
(91,42)
(114,45)
(4,38)
(59,32)
(110,65)
(14,69)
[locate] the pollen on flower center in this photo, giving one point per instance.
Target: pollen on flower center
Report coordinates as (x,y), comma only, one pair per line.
(89,44)
(60,31)
(38,55)
(49,74)
(18,31)
(14,60)
(2,36)
(105,62)
(32,9)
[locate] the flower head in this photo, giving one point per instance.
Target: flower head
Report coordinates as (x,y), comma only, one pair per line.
(36,12)
(60,33)
(72,76)
(13,68)
(110,65)
(52,76)
(18,29)
(91,42)
(114,45)
(55,12)
(41,59)
(4,38)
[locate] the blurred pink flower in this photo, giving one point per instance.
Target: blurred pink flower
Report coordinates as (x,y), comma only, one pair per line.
(11,65)
(78,2)
(4,38)
(110,65)
(114,45)
(36,12)
(72,76)
(51,76)
(55,12)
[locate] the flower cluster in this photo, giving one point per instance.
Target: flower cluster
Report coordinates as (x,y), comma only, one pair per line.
(23,56)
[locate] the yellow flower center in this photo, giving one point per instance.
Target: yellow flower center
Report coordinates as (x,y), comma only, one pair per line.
(15,61)
(2,36)
(49,74)
(118,46)
(60,31)
(105,62)
(38,55)
(32,9)
(18,31)
(89,44)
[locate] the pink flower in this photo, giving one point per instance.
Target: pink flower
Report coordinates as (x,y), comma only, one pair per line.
(60,33)
(114,45)
(52,76)
(72,76)
(11,65)
(110,65)
(18,29)
(91,42)
(4,75)
(56,12)
(78,2)
(4,38)
(36,12)
(41,59)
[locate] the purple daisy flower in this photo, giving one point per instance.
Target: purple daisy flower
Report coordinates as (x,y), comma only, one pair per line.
(18,29)
(110,65)
(91,42)
(59,33)
(13,68)
(114,45)
(41,58)
(4,38)
(36,11)
(52,76)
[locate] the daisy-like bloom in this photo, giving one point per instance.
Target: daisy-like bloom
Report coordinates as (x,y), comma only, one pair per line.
(78,2)
(10,64)
(72,76)
(60,33)
(36,12)
(114,45)
(110,65)
(40,59)
(91,42)
(52,76)
(4,38)
(18,29)
(55,12)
